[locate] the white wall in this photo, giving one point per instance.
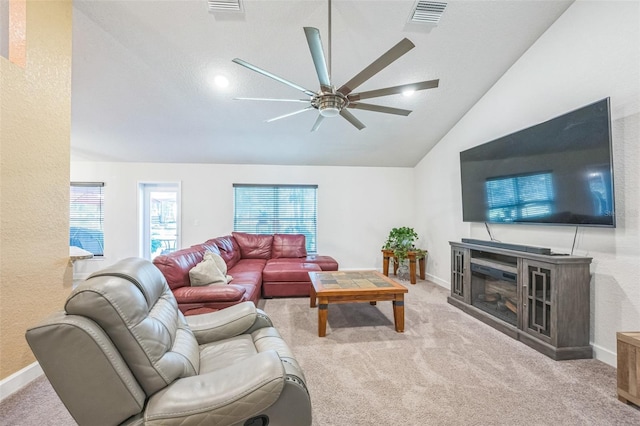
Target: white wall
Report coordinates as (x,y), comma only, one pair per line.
(591,52)
(357,206)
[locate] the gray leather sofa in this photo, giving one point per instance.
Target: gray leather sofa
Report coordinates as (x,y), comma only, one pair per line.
(121,352)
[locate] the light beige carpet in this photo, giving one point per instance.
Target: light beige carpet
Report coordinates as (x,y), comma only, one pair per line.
(445,369)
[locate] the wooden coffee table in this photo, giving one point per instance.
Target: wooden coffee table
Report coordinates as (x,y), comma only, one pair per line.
(351,287)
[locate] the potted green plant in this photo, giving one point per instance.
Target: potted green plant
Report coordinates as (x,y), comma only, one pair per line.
(400,242)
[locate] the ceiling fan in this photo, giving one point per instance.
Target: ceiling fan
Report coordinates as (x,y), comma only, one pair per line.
(330,101)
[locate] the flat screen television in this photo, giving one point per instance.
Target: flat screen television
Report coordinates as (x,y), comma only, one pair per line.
(559,172)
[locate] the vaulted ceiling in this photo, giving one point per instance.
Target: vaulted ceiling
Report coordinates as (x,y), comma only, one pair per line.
(143,74)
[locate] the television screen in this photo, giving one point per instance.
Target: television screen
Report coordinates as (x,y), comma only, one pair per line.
(557,172)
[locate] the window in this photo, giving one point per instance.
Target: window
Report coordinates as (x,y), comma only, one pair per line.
(86,216)
(518,198)
(282,209)
(160,221)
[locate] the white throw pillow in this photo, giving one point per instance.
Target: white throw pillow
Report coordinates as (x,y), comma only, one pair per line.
(206,273)
(220,263)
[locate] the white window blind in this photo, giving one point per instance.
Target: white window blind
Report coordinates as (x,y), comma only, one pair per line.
(86,216)
(282,209)
(518,198)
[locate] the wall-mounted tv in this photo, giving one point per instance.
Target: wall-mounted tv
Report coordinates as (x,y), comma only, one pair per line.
(559,172)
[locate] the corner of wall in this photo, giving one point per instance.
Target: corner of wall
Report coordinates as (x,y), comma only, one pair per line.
(19,379)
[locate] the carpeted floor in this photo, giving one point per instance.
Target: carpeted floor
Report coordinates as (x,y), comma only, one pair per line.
(445,369)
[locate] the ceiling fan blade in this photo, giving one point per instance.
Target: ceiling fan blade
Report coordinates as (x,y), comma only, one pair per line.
(318,122)
(273,76)
(317,54)
(289,114)
(378,65)
(271,99)
(379,108)
(351,119)
(395,90)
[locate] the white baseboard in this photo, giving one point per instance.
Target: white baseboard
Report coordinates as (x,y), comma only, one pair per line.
(19,379)
(605,355)
(439,281)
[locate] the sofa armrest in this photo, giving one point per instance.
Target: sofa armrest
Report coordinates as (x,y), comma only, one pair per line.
(225,396)
(209,293)
(229,322)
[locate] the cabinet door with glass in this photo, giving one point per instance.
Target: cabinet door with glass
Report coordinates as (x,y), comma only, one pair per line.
(460,274)
(538,314)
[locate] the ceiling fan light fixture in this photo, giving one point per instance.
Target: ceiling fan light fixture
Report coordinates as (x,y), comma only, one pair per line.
(330,106)
(329,112)
(408,92)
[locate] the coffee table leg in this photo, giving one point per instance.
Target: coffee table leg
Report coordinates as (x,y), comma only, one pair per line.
(323,305)
(398,313)
(312,297)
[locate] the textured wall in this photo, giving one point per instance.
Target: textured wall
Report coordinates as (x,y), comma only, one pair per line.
(35,126)
(591,52)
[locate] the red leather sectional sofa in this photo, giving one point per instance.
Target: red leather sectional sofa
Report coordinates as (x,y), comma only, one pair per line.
(261,265)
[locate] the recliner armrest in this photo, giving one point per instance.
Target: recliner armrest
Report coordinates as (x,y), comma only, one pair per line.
(225,396)
(238,319)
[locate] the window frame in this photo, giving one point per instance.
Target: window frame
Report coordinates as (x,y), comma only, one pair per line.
(88,224)
(278,220)
(146,240)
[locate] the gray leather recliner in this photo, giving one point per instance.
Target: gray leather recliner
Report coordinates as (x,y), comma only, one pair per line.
(123,353)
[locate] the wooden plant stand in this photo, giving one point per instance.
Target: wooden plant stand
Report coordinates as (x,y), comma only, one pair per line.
(412,256)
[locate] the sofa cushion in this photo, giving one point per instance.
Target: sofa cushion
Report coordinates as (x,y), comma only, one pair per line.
(248,265)
(228,249)
(207,246)
(326,263)
(254,246)
(288,245)
(288,272)
(248,272)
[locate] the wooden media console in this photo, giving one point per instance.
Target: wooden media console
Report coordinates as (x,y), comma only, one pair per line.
(540,299)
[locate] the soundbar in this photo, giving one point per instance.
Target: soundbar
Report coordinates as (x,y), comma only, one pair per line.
(507,246)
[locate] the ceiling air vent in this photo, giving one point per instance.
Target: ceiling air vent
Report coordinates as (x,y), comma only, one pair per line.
(224,5)
(428,12)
